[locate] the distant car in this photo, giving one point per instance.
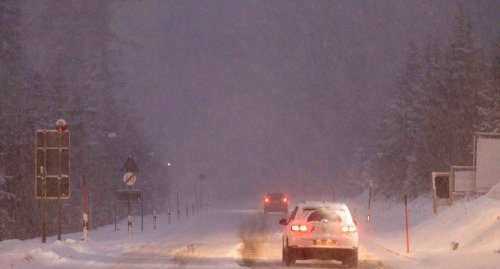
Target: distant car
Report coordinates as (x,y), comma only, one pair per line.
(275,202)
(319,230)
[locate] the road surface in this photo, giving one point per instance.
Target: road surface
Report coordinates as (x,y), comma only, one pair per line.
(224,239)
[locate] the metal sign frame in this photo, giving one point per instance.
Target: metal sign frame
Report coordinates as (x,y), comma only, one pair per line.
(130,196)
(52,179)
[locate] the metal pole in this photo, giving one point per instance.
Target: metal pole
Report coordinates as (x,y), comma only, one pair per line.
(59,178)
(44,186)
(90,209)
(154,219)
(369,202)
(115,215)
(196,199)
(406,220)
(129,218)
(44,205)
(142,213)
(433,188)
(201,195)
(168,215)
(178,211)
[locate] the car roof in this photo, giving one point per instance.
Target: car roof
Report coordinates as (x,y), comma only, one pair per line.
(313,205)
(318,204)
(276,193)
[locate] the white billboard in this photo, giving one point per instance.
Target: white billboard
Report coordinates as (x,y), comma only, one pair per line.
(486,160)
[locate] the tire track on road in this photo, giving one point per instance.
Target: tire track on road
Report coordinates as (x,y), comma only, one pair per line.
(261,238)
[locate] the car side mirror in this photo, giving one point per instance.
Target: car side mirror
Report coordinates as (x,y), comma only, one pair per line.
(283,222)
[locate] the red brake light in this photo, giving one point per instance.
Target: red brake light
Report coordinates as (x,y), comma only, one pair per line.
(266,200)
(285,199)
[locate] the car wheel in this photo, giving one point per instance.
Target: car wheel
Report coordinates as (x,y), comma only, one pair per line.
(352,260)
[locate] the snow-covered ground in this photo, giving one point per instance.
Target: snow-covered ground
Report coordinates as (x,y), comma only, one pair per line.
(474,225)
(166,247)
(215,239)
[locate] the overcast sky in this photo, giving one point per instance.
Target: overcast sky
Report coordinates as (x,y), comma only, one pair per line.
(272,95)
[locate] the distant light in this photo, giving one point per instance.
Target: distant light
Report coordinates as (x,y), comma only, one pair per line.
(112,135)
(169,164)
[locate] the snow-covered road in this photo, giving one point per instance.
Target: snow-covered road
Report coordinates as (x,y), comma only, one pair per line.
(212,239)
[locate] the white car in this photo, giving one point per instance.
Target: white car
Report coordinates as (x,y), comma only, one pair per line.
(319,230)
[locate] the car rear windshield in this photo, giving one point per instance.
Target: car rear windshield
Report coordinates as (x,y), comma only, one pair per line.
(276,196)
(324,214)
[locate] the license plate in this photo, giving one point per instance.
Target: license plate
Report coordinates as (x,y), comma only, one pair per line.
(324,242)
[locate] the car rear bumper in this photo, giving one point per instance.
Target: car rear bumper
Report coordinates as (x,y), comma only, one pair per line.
(339,242)
(276,207)
(321,253)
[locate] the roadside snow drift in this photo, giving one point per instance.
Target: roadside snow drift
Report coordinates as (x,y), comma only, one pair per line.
(473,226)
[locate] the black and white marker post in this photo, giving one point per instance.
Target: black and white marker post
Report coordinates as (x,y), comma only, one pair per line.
(154,219)
(85,216)
(168,215)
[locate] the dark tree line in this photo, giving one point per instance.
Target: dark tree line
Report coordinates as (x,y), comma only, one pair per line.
(442,97)
(75,78)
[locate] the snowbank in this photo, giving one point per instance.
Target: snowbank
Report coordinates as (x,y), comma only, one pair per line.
(494,192)
(474,226)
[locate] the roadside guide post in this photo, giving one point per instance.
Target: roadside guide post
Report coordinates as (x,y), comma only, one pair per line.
(85,214)
(406,221)
(168,215)
(369,202)
(154,219)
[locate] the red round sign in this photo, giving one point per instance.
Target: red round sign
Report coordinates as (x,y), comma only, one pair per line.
(61,125)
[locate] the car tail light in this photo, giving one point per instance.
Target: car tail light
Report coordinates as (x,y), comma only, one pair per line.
(348,229)
(284,199)
(266,200)
(299,228)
